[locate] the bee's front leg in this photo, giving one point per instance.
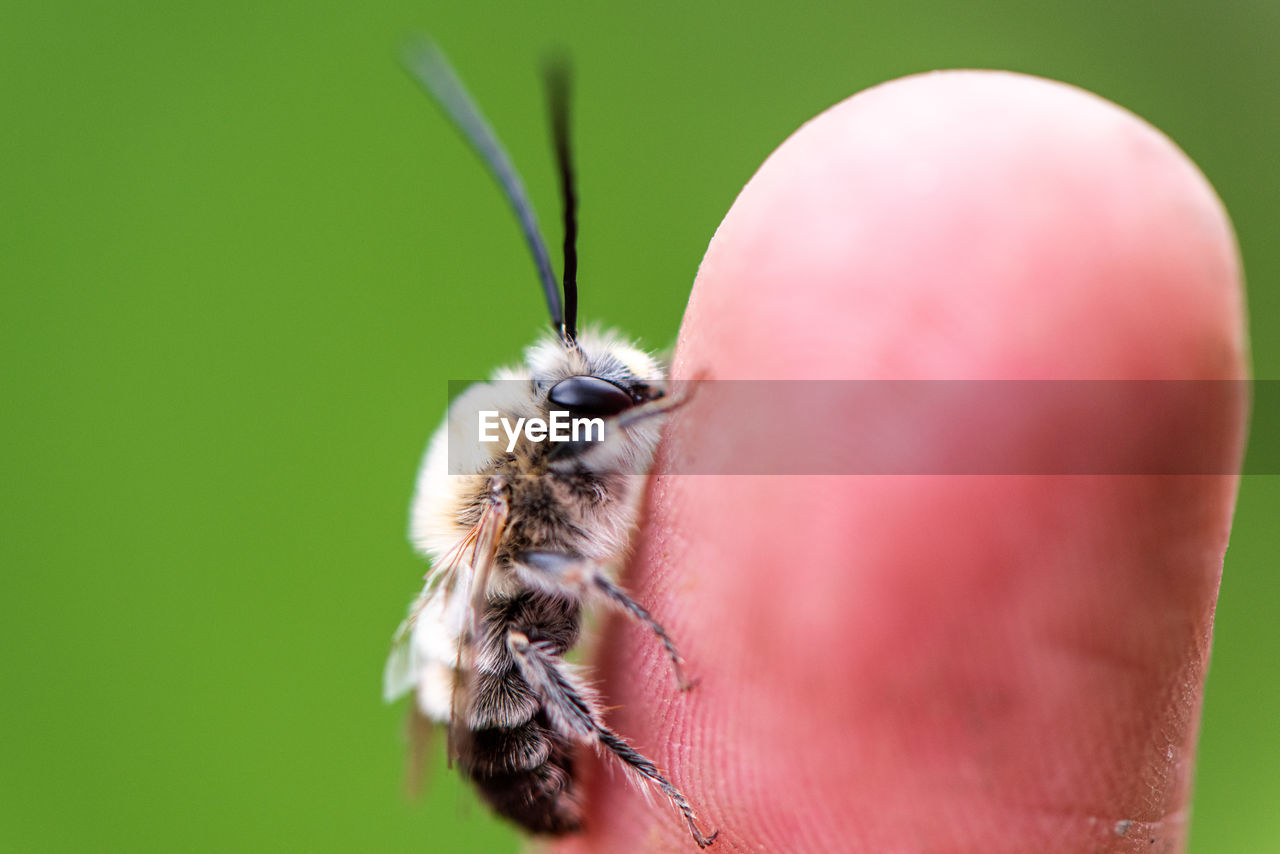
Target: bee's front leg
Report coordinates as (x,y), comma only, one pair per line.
(612,449)
(656,408)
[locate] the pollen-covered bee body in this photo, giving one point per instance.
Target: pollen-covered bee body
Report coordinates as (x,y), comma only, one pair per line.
(518,540)
(580,505)
(522,532)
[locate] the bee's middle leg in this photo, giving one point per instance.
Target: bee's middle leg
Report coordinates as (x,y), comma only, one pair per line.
(568,574)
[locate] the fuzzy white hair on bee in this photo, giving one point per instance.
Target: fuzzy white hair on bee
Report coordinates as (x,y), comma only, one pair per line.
(524,529)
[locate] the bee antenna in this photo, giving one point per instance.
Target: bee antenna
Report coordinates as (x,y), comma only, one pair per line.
(428,65)
(558,76)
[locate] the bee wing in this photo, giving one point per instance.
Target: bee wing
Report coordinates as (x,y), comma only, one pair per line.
(423,655)
(424,648)
(423,651)
(420,732)
(487,536)
(398,676)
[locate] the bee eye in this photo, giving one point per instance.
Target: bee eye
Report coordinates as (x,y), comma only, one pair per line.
(590,396)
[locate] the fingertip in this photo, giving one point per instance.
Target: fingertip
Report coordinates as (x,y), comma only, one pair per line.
(872,645)
(971,224)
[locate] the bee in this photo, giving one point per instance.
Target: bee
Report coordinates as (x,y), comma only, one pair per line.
(527,534)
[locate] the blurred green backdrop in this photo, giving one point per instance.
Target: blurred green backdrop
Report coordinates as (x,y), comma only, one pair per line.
(241,254)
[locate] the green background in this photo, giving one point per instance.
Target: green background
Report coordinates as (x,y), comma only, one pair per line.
(240,256)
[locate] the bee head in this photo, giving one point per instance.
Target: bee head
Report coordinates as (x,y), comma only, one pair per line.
(602,375)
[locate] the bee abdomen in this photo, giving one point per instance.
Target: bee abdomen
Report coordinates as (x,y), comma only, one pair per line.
(520,766)
(503,701)
(540,797)
(504,750)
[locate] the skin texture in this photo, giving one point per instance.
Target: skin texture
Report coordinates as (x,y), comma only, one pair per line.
(939,663)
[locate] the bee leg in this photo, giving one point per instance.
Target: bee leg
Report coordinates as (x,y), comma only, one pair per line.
(572,713)
(559,572)
(569,455)
(654,408)
(637,611)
